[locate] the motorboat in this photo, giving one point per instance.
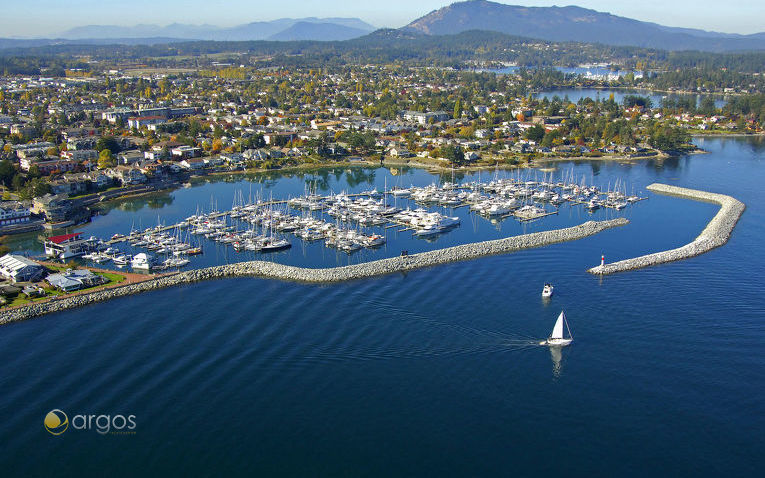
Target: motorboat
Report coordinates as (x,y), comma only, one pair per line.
(122,259)
(547,291)
(143,261)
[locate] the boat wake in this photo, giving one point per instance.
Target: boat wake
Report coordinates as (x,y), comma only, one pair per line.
(423,337)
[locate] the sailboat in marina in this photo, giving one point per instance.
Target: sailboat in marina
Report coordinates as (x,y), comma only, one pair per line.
(557,338)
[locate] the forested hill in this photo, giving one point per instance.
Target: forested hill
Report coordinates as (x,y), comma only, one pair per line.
(573,23)
(381,47)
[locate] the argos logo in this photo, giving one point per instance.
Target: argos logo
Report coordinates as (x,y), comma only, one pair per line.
(57,422)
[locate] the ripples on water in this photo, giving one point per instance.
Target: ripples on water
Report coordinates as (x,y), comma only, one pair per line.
(427,373)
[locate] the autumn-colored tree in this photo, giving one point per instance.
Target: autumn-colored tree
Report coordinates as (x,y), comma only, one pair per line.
(106,159)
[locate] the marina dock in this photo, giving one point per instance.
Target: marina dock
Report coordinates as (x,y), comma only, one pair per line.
(271,270)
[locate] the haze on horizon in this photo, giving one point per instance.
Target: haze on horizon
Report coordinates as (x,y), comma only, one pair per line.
(48,18)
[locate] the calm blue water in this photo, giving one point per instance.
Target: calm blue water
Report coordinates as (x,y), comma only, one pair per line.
(577,70)
(428,373)
(220,193)
(576,94)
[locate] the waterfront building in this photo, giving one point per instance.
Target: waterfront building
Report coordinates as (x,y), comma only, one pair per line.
(20,269)
(55,208)
(67,246)
(72,280)
(12,213)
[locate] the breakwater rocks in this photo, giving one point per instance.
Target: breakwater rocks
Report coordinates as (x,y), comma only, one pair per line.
(271,270)
(717,232)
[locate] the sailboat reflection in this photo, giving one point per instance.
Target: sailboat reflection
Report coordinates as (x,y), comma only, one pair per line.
(556,354)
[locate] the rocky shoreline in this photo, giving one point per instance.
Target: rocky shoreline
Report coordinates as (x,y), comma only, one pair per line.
(270,270)
(716,234)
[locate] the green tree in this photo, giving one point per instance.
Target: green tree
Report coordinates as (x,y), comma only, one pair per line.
(108,142)
(535,133)
(7,172)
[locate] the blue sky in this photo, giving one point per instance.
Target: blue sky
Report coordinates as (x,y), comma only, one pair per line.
(30,18)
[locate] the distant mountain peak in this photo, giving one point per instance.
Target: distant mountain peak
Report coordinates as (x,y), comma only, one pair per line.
(333,29)
(573,23)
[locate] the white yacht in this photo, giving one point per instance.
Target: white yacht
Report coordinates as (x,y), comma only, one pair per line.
(428,230)
(143,261)
(547,291)
(273,245)
(557,338)
(122,259)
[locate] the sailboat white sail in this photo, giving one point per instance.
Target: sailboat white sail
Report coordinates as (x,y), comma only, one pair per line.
(557,337)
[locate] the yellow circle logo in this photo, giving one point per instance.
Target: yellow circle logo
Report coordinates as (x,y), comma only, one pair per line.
(56,422)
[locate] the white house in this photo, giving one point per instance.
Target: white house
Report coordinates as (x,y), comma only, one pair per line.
(12,212)
(193,164)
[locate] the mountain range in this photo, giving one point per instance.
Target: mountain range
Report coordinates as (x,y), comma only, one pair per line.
(576,24)
(569,23)
(328,29)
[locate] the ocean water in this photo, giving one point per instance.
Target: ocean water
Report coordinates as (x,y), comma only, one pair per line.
(430,373)
(576,94)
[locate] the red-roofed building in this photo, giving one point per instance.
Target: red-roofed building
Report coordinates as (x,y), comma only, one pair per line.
(65,238)
(67,246)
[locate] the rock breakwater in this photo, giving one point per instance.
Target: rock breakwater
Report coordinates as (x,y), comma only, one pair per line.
(716,234)
(270,270)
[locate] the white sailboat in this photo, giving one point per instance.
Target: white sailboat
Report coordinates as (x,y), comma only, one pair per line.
(556,338)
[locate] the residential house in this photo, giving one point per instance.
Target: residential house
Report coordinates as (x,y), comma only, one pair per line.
(55,208)
(277,138)
(256,154)
(69,184)
(426,118)
(127,175)
(99,179)
(472,156)
(193,164)
(22,130)
(48,166)
(12,213)
(185,152)
(32,150)
(212,162)
(128,158)
(399,152)
(79,155)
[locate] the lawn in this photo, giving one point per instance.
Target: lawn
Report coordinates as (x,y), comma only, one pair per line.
(50,292)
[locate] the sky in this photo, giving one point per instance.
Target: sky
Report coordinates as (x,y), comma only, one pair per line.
(45,18)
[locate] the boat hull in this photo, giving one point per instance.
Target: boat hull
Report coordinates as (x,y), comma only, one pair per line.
(556,342)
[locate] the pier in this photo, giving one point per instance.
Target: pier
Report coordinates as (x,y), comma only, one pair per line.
(716,234)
